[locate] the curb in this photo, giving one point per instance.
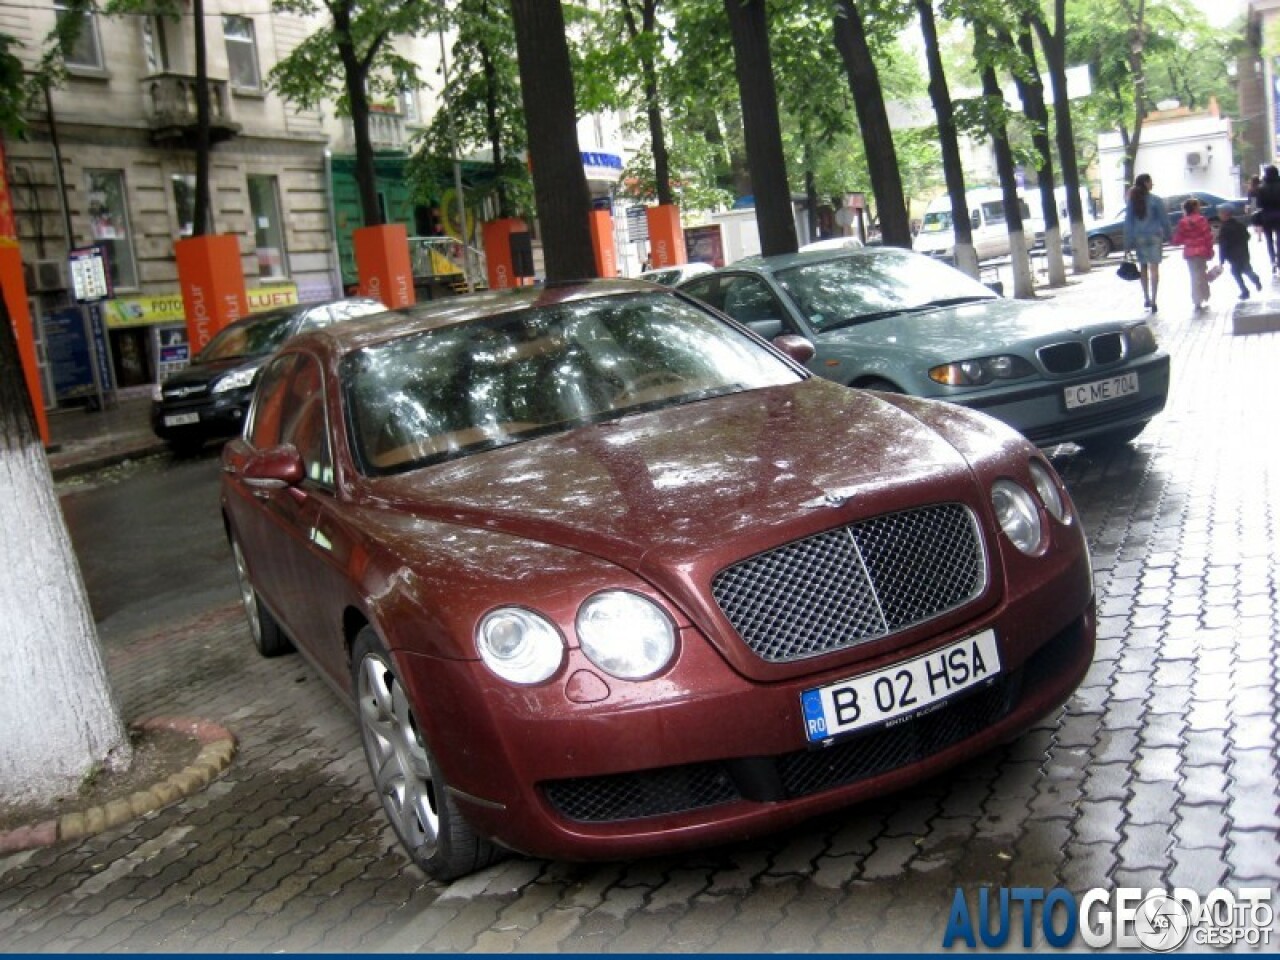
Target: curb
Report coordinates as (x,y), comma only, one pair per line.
(65,464)
(218,746)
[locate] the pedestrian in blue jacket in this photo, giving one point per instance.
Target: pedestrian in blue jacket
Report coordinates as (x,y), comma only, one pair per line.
(1146,231)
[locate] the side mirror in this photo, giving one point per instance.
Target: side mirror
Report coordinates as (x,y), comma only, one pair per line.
(765,329)
(796,347)
(274,469)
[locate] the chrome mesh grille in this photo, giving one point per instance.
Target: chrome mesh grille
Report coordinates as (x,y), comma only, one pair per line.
(854,584)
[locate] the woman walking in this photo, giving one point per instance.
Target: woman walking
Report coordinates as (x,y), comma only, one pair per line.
(1268,216)
(1146,230)
(1196,239)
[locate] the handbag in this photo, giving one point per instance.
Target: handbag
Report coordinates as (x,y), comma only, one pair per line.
(1128,270)
(1213,273)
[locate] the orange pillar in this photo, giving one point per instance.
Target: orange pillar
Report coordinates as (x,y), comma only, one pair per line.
(382,260)
(602,243)
(15,297)
(496,236)
(212,283)
(666,236)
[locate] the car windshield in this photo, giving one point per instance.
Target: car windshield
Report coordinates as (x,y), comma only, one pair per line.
(254,337)
(855,289)
(936,221)
(443,393)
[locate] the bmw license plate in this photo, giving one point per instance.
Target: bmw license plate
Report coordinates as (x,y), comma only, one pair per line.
(901,690)
(1100,391)
(181,419)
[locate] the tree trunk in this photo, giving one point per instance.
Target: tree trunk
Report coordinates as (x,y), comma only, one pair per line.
(559,183)
(966,257)
(652,104)
(810,192)
(749,27)
(58,716)
(1137,70)
(200,224)
(1054,45)
(1023,285)
(1031,92)
(355,73)
(877,137)
(492,125)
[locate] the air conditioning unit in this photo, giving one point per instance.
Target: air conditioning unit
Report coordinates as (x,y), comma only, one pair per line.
(1195,160)
(46,276)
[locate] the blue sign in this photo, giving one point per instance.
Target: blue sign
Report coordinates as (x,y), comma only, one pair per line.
(67,350)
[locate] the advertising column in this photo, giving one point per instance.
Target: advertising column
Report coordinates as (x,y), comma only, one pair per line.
(15,297)
(382,261)
(212,282)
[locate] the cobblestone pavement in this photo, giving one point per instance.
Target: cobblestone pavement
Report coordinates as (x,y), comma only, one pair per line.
(1161,770)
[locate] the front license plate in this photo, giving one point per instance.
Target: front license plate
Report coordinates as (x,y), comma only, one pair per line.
(900,689)
(1100,391)
(181,419)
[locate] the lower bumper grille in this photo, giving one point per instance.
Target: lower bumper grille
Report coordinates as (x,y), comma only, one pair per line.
(669,790)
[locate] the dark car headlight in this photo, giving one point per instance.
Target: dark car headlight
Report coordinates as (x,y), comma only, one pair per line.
(1142,340)
(236,380)
(974,373)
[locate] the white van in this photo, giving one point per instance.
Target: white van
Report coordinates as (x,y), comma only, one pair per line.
(986,215)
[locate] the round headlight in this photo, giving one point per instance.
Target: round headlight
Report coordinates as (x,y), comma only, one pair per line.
(1018,516)
(1048,491)
(519,646)
(626,635)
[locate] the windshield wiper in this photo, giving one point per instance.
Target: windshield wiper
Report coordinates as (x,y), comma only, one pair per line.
(957,301)
(874,315)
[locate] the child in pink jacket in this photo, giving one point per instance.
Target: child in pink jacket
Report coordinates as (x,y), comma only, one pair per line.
(1196,237)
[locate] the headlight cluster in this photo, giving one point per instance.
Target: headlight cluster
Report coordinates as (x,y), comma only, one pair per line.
(1018,512)
(235,381)
(622,633)
(1142,340)
(975,373)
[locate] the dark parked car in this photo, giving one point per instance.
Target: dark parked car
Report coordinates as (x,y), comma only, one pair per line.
(607,576)
(1108,238)
(888,319)
(209,399)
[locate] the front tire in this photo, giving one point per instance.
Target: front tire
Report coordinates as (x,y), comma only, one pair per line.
(267,635)
(413,791)
(1099,248)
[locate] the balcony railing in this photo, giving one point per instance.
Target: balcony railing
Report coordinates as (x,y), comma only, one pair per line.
(445,259)
(169,102)
(386,130)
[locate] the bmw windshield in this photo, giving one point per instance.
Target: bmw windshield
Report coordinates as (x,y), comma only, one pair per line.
(890,282)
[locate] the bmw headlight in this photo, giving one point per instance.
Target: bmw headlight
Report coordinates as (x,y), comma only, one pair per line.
(237,380)
(626,635)
(975,373)
(1142,340)
(1047,488)
(519,645)
(1017,514)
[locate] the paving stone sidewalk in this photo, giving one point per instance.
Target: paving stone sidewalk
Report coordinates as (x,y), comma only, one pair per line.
(1161,771)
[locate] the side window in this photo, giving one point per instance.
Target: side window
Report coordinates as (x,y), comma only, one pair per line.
(263,429)
(709,291)
(993,211)
(303,420)
(749,300)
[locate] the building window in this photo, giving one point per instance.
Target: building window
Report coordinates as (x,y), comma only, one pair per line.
(86,51)
(109,224)
(268,226)
(242,53)
(409,105)
(153,44)
(184,202)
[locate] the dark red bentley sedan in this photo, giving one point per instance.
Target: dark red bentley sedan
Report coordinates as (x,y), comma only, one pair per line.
(606,575)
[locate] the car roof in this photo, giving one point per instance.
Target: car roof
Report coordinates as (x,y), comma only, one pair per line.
(360,332)
(783,261)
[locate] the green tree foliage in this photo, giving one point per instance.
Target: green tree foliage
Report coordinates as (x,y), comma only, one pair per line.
(20,87)
(480,106)
(348,60)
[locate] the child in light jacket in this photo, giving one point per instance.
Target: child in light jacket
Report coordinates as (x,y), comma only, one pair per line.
(1196,237)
